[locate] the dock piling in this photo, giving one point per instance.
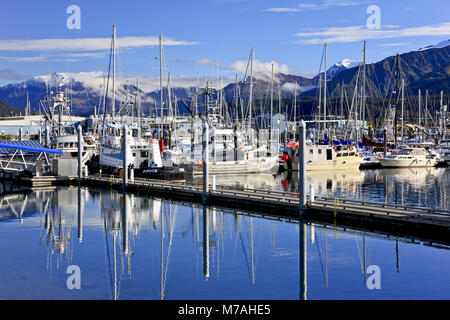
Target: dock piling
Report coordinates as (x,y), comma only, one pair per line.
(302,165)
(124,156)
(80,149)
(213,182)
(311,192)
(205,156)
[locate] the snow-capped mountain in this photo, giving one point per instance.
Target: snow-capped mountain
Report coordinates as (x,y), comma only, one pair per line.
(424,69)
(441,44)
(340,66)
(87,88)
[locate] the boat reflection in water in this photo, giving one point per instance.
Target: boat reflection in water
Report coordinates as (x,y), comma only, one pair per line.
(132,247)
(415,186)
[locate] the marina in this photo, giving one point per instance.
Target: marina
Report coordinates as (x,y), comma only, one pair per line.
(278,158)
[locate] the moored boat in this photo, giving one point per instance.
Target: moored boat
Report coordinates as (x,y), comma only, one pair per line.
(409,158)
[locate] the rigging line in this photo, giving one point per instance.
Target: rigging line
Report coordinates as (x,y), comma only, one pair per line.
(359,255)
(315,91)
(320,256)
(108,254)
(245,254)
(171,229)
(107,90)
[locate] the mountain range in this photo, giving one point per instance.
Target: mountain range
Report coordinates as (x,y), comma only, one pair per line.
(425,68)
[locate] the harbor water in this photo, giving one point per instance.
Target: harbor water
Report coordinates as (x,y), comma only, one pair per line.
(124,246)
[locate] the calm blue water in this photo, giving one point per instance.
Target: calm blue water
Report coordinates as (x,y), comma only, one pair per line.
(427,187)
(130,247)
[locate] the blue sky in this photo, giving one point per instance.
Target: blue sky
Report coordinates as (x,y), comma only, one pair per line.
(206,36)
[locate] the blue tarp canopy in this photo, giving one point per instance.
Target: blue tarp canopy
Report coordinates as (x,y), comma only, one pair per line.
(25,145)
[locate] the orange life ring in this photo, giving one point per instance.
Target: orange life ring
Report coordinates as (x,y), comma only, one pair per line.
(350,148)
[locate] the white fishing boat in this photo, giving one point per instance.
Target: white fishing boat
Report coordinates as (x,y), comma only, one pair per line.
(142,154)
(444,149)
(409,158)
(322,157)
(68,144)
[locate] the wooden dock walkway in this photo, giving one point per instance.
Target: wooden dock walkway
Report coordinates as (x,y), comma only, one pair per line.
(283,203)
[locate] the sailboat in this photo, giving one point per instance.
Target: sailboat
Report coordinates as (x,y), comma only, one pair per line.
(233,148)
(322,156)
(120,136)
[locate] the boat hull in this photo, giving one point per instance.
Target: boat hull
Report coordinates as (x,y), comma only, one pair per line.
(407,163)
(348,164)
(162,173)
(258,165)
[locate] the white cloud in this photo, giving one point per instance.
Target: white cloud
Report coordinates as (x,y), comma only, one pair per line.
(359,33)
(86,44)
(260,69)
(394,44)
(207,62)
(23,59)
(94,81)
(291,87)
(282,10)
(318,6)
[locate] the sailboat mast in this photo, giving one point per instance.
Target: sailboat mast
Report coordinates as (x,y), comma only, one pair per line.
(396,101)
(271,109)
(161,85)
(113,106)
(325,91)
(250,97)
(342,100)
(295,105)
(196,94)
(420,107)
(403,106)
(363,105)
(426,109)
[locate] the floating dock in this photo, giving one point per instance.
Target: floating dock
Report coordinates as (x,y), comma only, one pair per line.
(286,204)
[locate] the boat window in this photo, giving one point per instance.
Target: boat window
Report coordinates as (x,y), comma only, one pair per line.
(329,154)
(144,154)
(351,154)
(404,151)
(345,154)
(135,132)
(320,151)
(338,155)
(311,151)
(134,154)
